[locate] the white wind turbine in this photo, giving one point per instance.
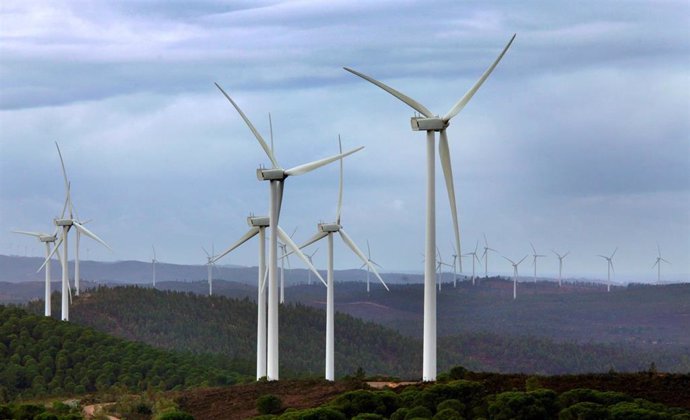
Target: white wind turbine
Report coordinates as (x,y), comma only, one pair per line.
(309,257)
(283,259)
(367,265)
(474,256)
(154,261)
(534,260)
(66,224)
(657,263)
(560,265)
(210,265)
(276,177)
(431,124)
(486,257)
(48,240)
(326,230)
(515,274)
(439,268)
(258,225)
(455,266)
(609,266)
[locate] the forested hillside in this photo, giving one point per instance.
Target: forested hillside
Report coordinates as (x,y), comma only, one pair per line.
(227,327)
(42,356)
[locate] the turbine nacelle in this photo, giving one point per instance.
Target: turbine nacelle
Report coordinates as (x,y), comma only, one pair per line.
(262,221)
(329,227)
(428,124)
(64,222)
(47,238)
(274,174)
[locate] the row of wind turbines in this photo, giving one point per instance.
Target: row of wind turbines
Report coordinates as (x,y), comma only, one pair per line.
(269,292)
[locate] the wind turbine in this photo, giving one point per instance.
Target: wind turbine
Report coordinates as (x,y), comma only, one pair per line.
(455,266)
(66,224)
(154,261)
(486,257)
(276,176)
(284,258)
(431,124)
(609,266)
(367,265)
(534,260)
(515,274)
(309,257)
(439,268)
(48,240)
(258,225)
(658,262)
(560,265)
(326,230)
(209,268)
(474,256)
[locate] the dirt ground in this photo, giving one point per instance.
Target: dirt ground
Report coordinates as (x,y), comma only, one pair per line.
(239,401)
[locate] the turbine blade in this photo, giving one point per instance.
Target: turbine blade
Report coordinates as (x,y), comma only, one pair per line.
(206,252)
(62,163)
(470,93)
(340,184)
(90,234)
(566,254)
(154,251)
(614,252)
(655,263)
(667,262)
(261,140)
(409,101)
(368,250)
(35,234)
(247,236)
(361,255)
(308,167)
(533,250)
(444,155)
(317,237)
(523,259)
(511,261)
(287,240)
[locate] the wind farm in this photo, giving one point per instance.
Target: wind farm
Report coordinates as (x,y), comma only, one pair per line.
(157,143)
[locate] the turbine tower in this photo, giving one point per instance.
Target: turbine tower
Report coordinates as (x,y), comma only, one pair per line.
(431,124)
(276,176)
(48,240)
(326,230)
(258,225)
(474,256)
(515,274)
(560,265)
(657,263)
(485,255)
(66,223)
(609,266)
(534,260)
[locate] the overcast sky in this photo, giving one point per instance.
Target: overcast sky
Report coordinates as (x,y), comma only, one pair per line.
(579,141)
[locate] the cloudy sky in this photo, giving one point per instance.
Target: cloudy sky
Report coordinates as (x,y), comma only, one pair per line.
(579,141)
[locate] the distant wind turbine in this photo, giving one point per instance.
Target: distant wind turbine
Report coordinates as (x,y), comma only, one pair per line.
(210,265)
(560,265)
(276,177)
(455,266)
(515,273)
(657,263)
(309,257)
(486,257)
(431,124)
(370,261)
(609,266)
(154,261)
(534,260)
(283,259)
(474,256)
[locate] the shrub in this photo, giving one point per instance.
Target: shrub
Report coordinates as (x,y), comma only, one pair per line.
(452,404)
(27,411)
(400,414)
(320,413)
(532,383)
(584,411)
(363,401)
(418,412)
(46,416)
(448,414)
(174,415)
(368,416)
(269,404)
(516,405)
(631,411)
(458,372)
(575,396)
